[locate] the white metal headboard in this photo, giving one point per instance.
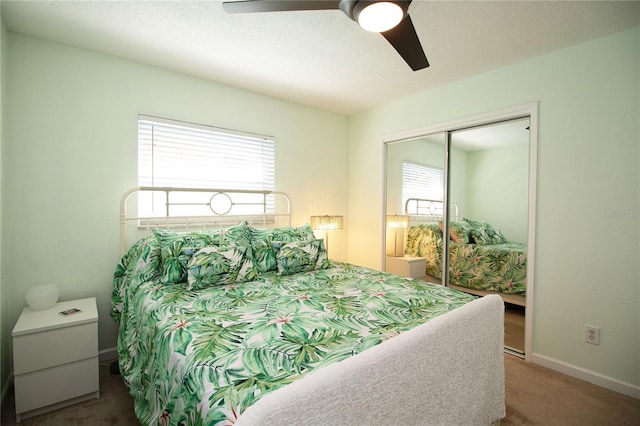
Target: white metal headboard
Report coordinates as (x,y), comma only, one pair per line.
(217,208)
(421,210)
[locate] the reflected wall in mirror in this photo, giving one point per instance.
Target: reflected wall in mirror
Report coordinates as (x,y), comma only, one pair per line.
(488,181)
(496,188)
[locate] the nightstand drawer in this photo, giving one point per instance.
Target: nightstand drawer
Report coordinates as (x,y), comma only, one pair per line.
(51,386)
(418,269)
(37,351)
(407,266)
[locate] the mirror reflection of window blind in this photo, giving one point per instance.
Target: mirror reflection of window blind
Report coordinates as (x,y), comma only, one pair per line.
(186,155)
(421,181)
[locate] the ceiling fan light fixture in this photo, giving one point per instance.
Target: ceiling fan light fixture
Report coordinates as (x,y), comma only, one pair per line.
(380,16)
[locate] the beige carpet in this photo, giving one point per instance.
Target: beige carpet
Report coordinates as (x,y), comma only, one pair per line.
(538,396)
(115,407)
(535,396)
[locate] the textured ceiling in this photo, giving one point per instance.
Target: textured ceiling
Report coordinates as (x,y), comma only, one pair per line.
(320,58)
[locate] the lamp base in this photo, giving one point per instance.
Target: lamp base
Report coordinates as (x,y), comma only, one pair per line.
(395,243)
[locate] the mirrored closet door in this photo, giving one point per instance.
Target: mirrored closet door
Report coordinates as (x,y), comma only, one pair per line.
(475,180)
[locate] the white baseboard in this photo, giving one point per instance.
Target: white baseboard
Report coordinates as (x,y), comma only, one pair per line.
(109,354)
(588,376)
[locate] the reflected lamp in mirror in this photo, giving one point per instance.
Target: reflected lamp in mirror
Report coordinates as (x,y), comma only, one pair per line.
(396,225)
(326,223)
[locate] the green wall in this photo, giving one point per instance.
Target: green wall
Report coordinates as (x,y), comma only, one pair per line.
(70,151)
(588,191)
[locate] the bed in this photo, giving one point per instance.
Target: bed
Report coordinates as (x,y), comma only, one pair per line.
(481,260)
(244,324)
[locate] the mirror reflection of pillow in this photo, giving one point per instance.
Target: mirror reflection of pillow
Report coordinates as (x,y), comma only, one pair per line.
(493,235)
(480,237)
(461,230)
(452,234)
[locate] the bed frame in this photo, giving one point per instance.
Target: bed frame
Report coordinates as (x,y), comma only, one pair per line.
(218,208)
(449,370)
(425,211)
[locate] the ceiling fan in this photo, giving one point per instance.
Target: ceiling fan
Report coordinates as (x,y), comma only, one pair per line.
(388,17)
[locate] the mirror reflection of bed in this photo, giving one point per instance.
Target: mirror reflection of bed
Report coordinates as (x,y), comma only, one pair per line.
(488,207)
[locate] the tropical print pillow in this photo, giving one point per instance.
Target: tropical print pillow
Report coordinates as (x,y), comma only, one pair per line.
(475,224)
(300,256)
(480,237)
(458,231)
(495,235)
(176,249)
(219,265)
(490,235)
(264,256)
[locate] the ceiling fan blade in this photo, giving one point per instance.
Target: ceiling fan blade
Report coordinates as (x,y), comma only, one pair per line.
(404,39)
(251,6)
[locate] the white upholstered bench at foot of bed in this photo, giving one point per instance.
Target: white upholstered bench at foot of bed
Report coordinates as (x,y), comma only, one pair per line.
(447,371)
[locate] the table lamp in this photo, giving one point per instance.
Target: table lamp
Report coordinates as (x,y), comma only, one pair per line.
(326,223)
(396,225)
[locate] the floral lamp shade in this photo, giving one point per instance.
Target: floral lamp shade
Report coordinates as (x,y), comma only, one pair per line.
(326,223)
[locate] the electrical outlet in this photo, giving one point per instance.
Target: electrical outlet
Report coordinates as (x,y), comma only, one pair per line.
(592,334)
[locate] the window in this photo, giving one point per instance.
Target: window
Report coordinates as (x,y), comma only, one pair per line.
(186,155)
(421,181)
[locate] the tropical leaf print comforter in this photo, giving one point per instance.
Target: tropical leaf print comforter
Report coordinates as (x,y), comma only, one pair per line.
(202,356)
(500,267)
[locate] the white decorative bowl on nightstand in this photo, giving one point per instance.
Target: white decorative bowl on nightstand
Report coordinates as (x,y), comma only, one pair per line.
(41,297)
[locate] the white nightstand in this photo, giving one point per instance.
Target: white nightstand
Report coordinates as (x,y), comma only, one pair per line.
(407,266)
(55,358)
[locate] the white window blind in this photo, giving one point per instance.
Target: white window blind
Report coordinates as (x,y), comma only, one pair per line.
(186,155)
(421,181)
